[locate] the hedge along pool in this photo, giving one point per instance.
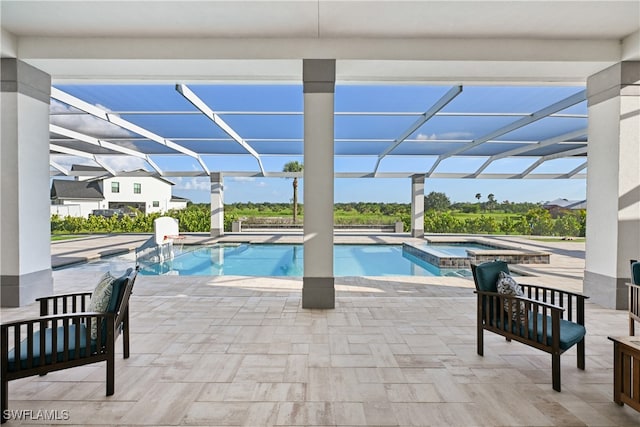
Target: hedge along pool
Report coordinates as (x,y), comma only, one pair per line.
(287,260)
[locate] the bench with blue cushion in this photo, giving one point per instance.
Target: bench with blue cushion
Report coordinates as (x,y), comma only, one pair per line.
(549,319)
(61,337)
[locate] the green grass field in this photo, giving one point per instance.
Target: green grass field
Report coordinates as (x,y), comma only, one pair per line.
(56,237)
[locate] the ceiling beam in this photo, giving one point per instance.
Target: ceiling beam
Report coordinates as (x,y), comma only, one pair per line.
(562,154)
(215,118)
(398,175)
(78,153)
(104,144)
(119,121)
(439,105)
(529,147)
(540,114)
(59,167)
(575,170)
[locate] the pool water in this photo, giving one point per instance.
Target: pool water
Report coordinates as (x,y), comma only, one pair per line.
(273,260)
(455,249)
(287,260)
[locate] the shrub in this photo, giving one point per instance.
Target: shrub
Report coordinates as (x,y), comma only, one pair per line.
(540,222)
(567,225)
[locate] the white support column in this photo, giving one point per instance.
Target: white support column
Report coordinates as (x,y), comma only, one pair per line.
(217,204)
(25,255)
(613,182)
(417,205)
(319,87)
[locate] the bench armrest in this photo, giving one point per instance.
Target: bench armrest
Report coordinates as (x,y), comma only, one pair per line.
(523,299)
(549,289)
(573,302)
(66,303)
(58,318)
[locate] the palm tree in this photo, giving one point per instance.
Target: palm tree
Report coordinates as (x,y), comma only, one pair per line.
(294,166)
(478,196)
(492,201)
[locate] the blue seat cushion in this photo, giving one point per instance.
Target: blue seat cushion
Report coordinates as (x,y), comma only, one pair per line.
(74,348)
(570,332)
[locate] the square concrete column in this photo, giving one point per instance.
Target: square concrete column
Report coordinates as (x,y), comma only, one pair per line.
(25,257)
(319,87)
(613,182)
(417,205)
(217,204)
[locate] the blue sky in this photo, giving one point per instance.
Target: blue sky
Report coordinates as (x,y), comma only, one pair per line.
(274,135)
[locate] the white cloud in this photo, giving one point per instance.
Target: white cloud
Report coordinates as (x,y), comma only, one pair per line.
(424,137)
(84,123)
(243,178)
(198,183)
(444,136)
(124,163)
(67,161)
(117,163)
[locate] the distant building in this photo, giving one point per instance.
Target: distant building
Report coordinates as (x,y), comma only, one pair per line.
(559,206)
(133,192)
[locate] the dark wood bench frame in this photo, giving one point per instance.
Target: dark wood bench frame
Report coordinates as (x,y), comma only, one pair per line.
(634,302)
(555,303)
(64,311)
(634,307)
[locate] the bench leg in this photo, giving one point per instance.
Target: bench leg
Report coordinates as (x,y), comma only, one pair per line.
(555,370)
(480,337)
(480,340)
(581,354)
(125,335)
(617,373)
(632,327)
(5,399)
(110,374)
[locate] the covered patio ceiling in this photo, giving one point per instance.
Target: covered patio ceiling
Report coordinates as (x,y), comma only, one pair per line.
(450,89)
(380,130)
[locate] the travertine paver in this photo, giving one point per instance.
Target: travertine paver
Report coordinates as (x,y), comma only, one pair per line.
(395,351)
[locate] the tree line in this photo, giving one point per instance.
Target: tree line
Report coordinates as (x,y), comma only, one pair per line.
(441,216)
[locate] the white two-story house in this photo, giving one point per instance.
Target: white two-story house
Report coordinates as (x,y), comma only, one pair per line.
(79,197)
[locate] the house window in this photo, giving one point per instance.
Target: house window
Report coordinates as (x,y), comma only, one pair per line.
(115,187)
(137,188)
(156,204)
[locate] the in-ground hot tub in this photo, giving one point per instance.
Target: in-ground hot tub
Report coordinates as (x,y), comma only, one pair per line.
(463,253)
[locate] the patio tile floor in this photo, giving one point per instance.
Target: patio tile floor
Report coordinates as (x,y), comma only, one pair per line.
(396,351)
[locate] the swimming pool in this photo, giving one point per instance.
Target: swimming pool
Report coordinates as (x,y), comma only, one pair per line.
(275,260)
(288,260)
